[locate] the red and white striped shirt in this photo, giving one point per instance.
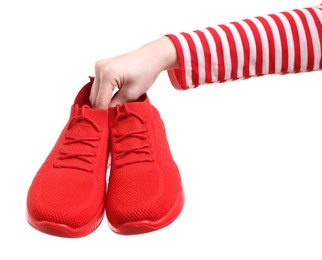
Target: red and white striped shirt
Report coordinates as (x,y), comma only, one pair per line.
(286,42)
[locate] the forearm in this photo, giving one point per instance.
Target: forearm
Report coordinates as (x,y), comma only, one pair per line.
(286,42)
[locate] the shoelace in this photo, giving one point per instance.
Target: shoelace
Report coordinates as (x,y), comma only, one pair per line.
(65,155)
(143,152)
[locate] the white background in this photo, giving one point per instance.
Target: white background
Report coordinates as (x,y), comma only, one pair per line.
(249,151)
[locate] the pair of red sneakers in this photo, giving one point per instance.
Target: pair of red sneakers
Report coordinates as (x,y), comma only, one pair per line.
(69,193)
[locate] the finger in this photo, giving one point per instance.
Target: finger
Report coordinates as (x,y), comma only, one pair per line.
(96,83)
(94,91)
(104,95)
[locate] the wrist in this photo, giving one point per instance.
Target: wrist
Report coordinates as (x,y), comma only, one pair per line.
(163,52)
(168,53)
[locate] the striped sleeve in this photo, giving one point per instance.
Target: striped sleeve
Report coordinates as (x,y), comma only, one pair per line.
(281,43)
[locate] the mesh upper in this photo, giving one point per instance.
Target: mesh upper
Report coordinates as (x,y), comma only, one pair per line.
(65,194)
(144,191)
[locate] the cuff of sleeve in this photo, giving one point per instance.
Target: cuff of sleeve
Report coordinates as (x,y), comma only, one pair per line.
(177,76)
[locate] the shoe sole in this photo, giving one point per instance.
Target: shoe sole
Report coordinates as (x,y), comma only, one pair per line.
(145,226)
(62,230)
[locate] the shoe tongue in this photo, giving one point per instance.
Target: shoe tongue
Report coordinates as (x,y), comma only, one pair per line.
(128,124)
(141,107)
(132,115)
(82,127)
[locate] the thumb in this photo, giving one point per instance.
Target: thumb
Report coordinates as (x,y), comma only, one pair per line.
(125,94)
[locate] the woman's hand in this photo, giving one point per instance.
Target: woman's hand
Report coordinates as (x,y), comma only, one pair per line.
(132,73)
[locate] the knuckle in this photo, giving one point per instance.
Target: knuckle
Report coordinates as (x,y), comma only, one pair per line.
(99,64)
(107,69)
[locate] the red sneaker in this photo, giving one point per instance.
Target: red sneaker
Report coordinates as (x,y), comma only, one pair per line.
(144,190)
(67,195)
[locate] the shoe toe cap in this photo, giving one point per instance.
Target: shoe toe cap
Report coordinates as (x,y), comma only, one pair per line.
(140,197)
(63,199)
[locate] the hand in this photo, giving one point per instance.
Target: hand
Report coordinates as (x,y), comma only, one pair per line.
(133,73)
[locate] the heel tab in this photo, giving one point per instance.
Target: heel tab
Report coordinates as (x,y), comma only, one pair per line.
(91,78)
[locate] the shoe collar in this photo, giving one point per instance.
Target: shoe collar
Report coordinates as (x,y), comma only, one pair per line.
(82,97)
(141,106)
(82,107)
